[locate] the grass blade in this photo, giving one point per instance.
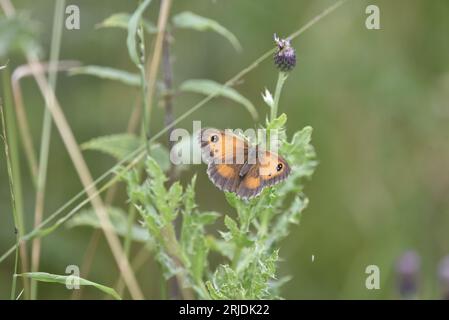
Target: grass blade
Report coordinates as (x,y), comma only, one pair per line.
(71,279)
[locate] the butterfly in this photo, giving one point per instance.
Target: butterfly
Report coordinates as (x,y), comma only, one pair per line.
(236,167)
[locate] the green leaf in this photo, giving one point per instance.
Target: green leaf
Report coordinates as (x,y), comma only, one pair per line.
(125,77)
(214,293)
(237,235)
(132,30)
(116,145)
(70,279)
(302,138)
(290,216)
(121,20)
(278,123)
(190,20)
(226,284)
(209,87)
(18,33)
(119,221)
(122,145)
(232,199)
(208,217)
(161,155)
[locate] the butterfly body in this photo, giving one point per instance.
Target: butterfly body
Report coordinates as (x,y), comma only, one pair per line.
(234,166)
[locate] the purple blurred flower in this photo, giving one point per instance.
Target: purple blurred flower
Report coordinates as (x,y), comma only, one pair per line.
(285,56)
(407,268)
(443,273)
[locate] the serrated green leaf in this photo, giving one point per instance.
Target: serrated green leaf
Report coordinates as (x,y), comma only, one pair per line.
(280,227)
(208,217)
(278,123)
(70,279)
(121,20)
(193,21)
(209,87)
(117,145)
(226,284)
(133,24)
(300,139)
(154,170)
(231,225)
(214,293)
(119,221)
(238,236)
(189,198)
(232,199)
(125,77)
(122,145)
(161,155)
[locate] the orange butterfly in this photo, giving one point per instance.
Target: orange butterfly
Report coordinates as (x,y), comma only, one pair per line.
(236,167)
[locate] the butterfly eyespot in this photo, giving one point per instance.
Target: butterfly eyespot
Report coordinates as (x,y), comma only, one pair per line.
(279,167)
(214,138)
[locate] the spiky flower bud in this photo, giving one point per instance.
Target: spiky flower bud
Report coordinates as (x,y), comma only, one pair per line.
(285,56)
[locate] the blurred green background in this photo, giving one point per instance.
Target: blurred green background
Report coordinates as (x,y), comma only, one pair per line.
(378,101)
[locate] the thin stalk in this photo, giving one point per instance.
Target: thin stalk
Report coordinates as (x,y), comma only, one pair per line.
(13,201)
(144,88)
(16,175)
(164,13)
(45,140)
(277,94)
(16,264)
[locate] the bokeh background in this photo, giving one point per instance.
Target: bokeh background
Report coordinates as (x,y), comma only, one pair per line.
(378,101)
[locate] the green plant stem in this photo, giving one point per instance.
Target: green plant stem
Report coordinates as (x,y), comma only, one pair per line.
(13,202)
(45,139)
(16,266)
(11,140)
(173,248)
(277,94)
(236,257)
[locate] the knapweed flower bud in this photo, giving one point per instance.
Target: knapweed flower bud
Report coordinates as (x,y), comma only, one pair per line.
(443,274)
(407,269)
(285,56)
